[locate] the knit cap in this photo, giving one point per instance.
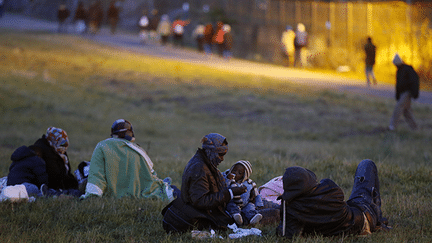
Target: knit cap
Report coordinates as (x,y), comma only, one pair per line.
(247,165)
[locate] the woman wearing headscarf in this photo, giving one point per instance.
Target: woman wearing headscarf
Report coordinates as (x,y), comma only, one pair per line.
(52,148)
(204,193)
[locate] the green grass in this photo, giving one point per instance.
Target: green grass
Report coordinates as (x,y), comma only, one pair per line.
(82,87)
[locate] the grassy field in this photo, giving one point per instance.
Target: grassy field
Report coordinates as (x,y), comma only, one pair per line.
(82,87)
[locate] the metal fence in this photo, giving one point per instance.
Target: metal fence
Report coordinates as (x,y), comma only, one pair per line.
(337,30)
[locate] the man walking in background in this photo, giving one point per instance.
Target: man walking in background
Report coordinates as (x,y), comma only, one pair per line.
(370,61)
(113,17)
(300,41)
(407,87)
(62,14)
(288,37)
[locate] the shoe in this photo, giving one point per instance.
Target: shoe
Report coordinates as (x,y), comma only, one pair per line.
(391,128)
(256,219)
(44,190)
(238,219)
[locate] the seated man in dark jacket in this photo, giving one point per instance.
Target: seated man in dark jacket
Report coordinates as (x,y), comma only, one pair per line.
(204,193)
(310,207)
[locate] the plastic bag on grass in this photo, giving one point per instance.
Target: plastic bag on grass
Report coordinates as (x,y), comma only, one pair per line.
(15,193)
(239,232)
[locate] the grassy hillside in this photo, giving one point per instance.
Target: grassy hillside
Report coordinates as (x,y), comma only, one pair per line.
(82,87)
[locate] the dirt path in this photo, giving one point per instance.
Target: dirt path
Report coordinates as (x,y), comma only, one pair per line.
(132,42)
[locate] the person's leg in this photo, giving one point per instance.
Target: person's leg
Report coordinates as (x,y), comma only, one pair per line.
(232,208)
(365,179)
(368,71)
(207,48)
(249,211)
(407,112)
(270,212)
(365,194)
(235,212)
(32,189)
(251,214)
(297,58)
(373,76)
(398,110)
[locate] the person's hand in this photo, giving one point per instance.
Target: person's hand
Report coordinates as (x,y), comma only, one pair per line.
(230,176)
(238,190)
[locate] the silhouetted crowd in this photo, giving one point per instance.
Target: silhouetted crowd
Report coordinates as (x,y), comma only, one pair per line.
(154,28)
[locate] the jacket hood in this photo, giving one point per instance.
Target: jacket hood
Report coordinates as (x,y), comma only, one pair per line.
(296,181)
(21,153)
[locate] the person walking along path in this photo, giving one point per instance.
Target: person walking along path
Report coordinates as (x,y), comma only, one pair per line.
(130,41)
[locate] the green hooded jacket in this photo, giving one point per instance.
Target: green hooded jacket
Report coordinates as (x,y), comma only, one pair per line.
(120,168)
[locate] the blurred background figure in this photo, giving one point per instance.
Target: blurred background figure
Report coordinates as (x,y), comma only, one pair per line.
(164,29)
(80,18)
(287,41)
(144,24)
(218,38)
(95,15)
(113,16)
(208,38)
(300,41)
(198,35)
(153,24)
(370,50)
(62,14)
(228,41)
(1,7)
(407,88)
(178,31)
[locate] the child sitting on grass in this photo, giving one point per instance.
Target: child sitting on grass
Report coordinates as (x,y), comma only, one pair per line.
(243,208)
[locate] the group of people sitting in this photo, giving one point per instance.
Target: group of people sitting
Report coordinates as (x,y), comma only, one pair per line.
(208,198)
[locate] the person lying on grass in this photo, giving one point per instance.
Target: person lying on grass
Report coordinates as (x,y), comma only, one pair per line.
(121,168)
(310,207)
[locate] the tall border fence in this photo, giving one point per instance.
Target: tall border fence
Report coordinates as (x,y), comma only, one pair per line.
(337,30)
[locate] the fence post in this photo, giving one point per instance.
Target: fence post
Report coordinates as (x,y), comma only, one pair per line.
(350,26)
(369,19)
(298,12)
(409,29)
(314,21)
(332,23)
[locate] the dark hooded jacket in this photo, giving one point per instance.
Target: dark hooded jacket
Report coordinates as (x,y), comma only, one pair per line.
(58,178)
(204,196)
(203,186)
(26,167)
(407,79)
(316,207)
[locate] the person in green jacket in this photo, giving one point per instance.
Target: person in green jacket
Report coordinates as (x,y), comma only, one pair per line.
(121,168)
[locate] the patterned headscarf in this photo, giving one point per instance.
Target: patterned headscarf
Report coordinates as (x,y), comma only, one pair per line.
(58,139)
(214,144)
